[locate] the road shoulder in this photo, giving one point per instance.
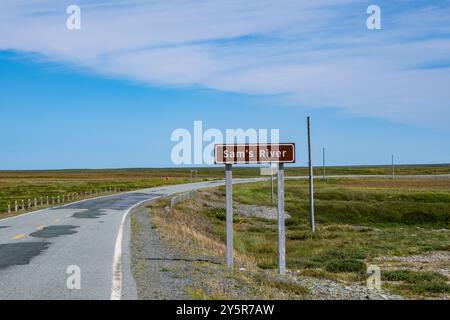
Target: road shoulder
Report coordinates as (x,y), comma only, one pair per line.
(159,272)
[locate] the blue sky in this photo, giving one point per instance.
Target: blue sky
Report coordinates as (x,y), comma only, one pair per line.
(110,95)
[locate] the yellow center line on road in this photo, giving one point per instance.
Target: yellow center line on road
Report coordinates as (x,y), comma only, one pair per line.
(19,236)
(42,227)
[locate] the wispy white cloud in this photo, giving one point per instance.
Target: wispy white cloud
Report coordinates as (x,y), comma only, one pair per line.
(313,53)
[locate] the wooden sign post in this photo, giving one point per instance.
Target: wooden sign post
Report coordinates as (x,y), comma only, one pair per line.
(229,154)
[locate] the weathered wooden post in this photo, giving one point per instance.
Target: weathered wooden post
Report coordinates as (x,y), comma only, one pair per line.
(41,201)
(29,203)
(35,202)
(47,200)
(312,222)
(9,208)
(53,200)
(23,205)
(63,198)
(58,200)
(16,206)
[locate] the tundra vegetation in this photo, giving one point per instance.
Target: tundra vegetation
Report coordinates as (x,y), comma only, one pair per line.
(18,185)
(400,225)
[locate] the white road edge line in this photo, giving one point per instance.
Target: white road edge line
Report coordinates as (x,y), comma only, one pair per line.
(116,290)
(117,275)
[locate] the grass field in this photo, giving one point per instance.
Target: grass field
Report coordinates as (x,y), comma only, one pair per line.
(359,222)
(22,185)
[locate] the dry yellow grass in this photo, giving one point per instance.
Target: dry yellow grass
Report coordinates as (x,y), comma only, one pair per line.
(187,231)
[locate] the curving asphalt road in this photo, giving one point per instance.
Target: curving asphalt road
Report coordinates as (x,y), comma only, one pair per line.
(36,249)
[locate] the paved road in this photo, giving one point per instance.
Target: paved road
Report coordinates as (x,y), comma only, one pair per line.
(36,249)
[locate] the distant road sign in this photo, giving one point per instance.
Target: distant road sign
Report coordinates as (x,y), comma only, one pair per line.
(269,171)
(254,153)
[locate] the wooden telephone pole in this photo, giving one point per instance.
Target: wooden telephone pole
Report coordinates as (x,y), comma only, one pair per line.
(311,181)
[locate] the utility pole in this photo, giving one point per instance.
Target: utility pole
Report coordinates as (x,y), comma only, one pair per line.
(323,164)
(393,168)
(311,182)
(194,175)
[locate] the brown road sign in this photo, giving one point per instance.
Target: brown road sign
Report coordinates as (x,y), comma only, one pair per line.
(254,153)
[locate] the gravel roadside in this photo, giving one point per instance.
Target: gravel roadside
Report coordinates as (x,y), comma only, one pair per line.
(159,272)
(162,272)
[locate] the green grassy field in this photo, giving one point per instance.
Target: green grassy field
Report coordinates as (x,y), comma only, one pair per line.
(18,185)
(22,185)
(359,221)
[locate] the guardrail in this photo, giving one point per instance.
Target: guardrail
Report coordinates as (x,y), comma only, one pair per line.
(33,203)
(180,198)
